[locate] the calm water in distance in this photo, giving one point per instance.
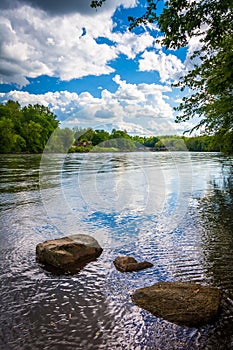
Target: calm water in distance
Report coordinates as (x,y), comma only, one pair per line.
(173,209)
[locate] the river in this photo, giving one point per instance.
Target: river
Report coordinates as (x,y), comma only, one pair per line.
(172,209)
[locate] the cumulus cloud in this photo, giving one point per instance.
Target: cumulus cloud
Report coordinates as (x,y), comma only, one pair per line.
(131,44)
(63,39)
(134,107)
(168,66)
(34,44)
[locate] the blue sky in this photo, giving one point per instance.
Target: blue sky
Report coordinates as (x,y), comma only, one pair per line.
(88,68)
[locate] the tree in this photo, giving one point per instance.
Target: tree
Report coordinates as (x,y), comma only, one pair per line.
(25,129)
(60,141)
(99,137)
(211,79)
(151,141)
(116,134)
(85,135)
(7,135)
(32,134)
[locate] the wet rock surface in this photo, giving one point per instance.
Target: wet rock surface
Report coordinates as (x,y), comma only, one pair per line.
(68,254)
(129,264)
(186,304)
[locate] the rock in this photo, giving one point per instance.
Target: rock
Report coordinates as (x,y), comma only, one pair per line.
(70,253)
(129,264)
(182,303)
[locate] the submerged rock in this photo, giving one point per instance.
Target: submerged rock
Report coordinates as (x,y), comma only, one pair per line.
(129,264)
(70,253)
(182,303)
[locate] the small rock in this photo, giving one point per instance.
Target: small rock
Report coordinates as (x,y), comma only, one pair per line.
(70,253)
(182,303)
(129,264)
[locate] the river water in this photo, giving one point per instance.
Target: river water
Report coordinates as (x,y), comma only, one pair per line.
(173,209)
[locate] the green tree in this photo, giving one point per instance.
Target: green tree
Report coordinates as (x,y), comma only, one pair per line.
(202,143)
(25,129)
(43,116)
(151,141)
(85,134)
(138,139)
(116,134)
(78,132)
(60,141)
(7,135)
(67,137)
(100,136)
(32,134)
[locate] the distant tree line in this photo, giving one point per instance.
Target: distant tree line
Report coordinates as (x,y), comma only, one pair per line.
(34,128)
(119,140)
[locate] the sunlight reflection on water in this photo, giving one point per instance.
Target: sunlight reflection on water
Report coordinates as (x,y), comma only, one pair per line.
(139,187)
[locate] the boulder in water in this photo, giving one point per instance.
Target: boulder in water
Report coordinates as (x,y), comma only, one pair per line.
(182,303)
(70,253)
(129,264)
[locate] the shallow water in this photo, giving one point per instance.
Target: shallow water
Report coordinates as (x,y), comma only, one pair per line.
(173,209)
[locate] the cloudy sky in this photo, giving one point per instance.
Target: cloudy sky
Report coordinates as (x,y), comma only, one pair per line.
(87,67)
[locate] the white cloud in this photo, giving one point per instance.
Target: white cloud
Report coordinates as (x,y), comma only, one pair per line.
(169,67)
(35,43)
(134,107)
(40,41)
(131,44)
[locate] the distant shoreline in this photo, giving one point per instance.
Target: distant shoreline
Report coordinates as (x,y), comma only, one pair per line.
(109,151)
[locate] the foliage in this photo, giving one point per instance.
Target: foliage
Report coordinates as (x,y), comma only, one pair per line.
(60,141)
(203,143)
(173,143)
(117,134)
(97,3)
(99,136)
(117,140)
(120,140)
(25,129)
(223,141)
(150,141)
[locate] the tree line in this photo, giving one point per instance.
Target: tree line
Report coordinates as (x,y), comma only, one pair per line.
(34,128)
(119,140)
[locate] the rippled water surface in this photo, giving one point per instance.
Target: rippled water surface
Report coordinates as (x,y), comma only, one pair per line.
(173,209)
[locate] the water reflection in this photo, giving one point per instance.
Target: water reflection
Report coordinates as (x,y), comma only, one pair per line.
(217,232)
(125,185)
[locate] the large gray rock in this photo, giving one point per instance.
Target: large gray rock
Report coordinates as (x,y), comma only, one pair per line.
(70,253)
(129,264)
(182,303)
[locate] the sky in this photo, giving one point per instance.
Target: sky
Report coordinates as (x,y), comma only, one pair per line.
(88,68)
